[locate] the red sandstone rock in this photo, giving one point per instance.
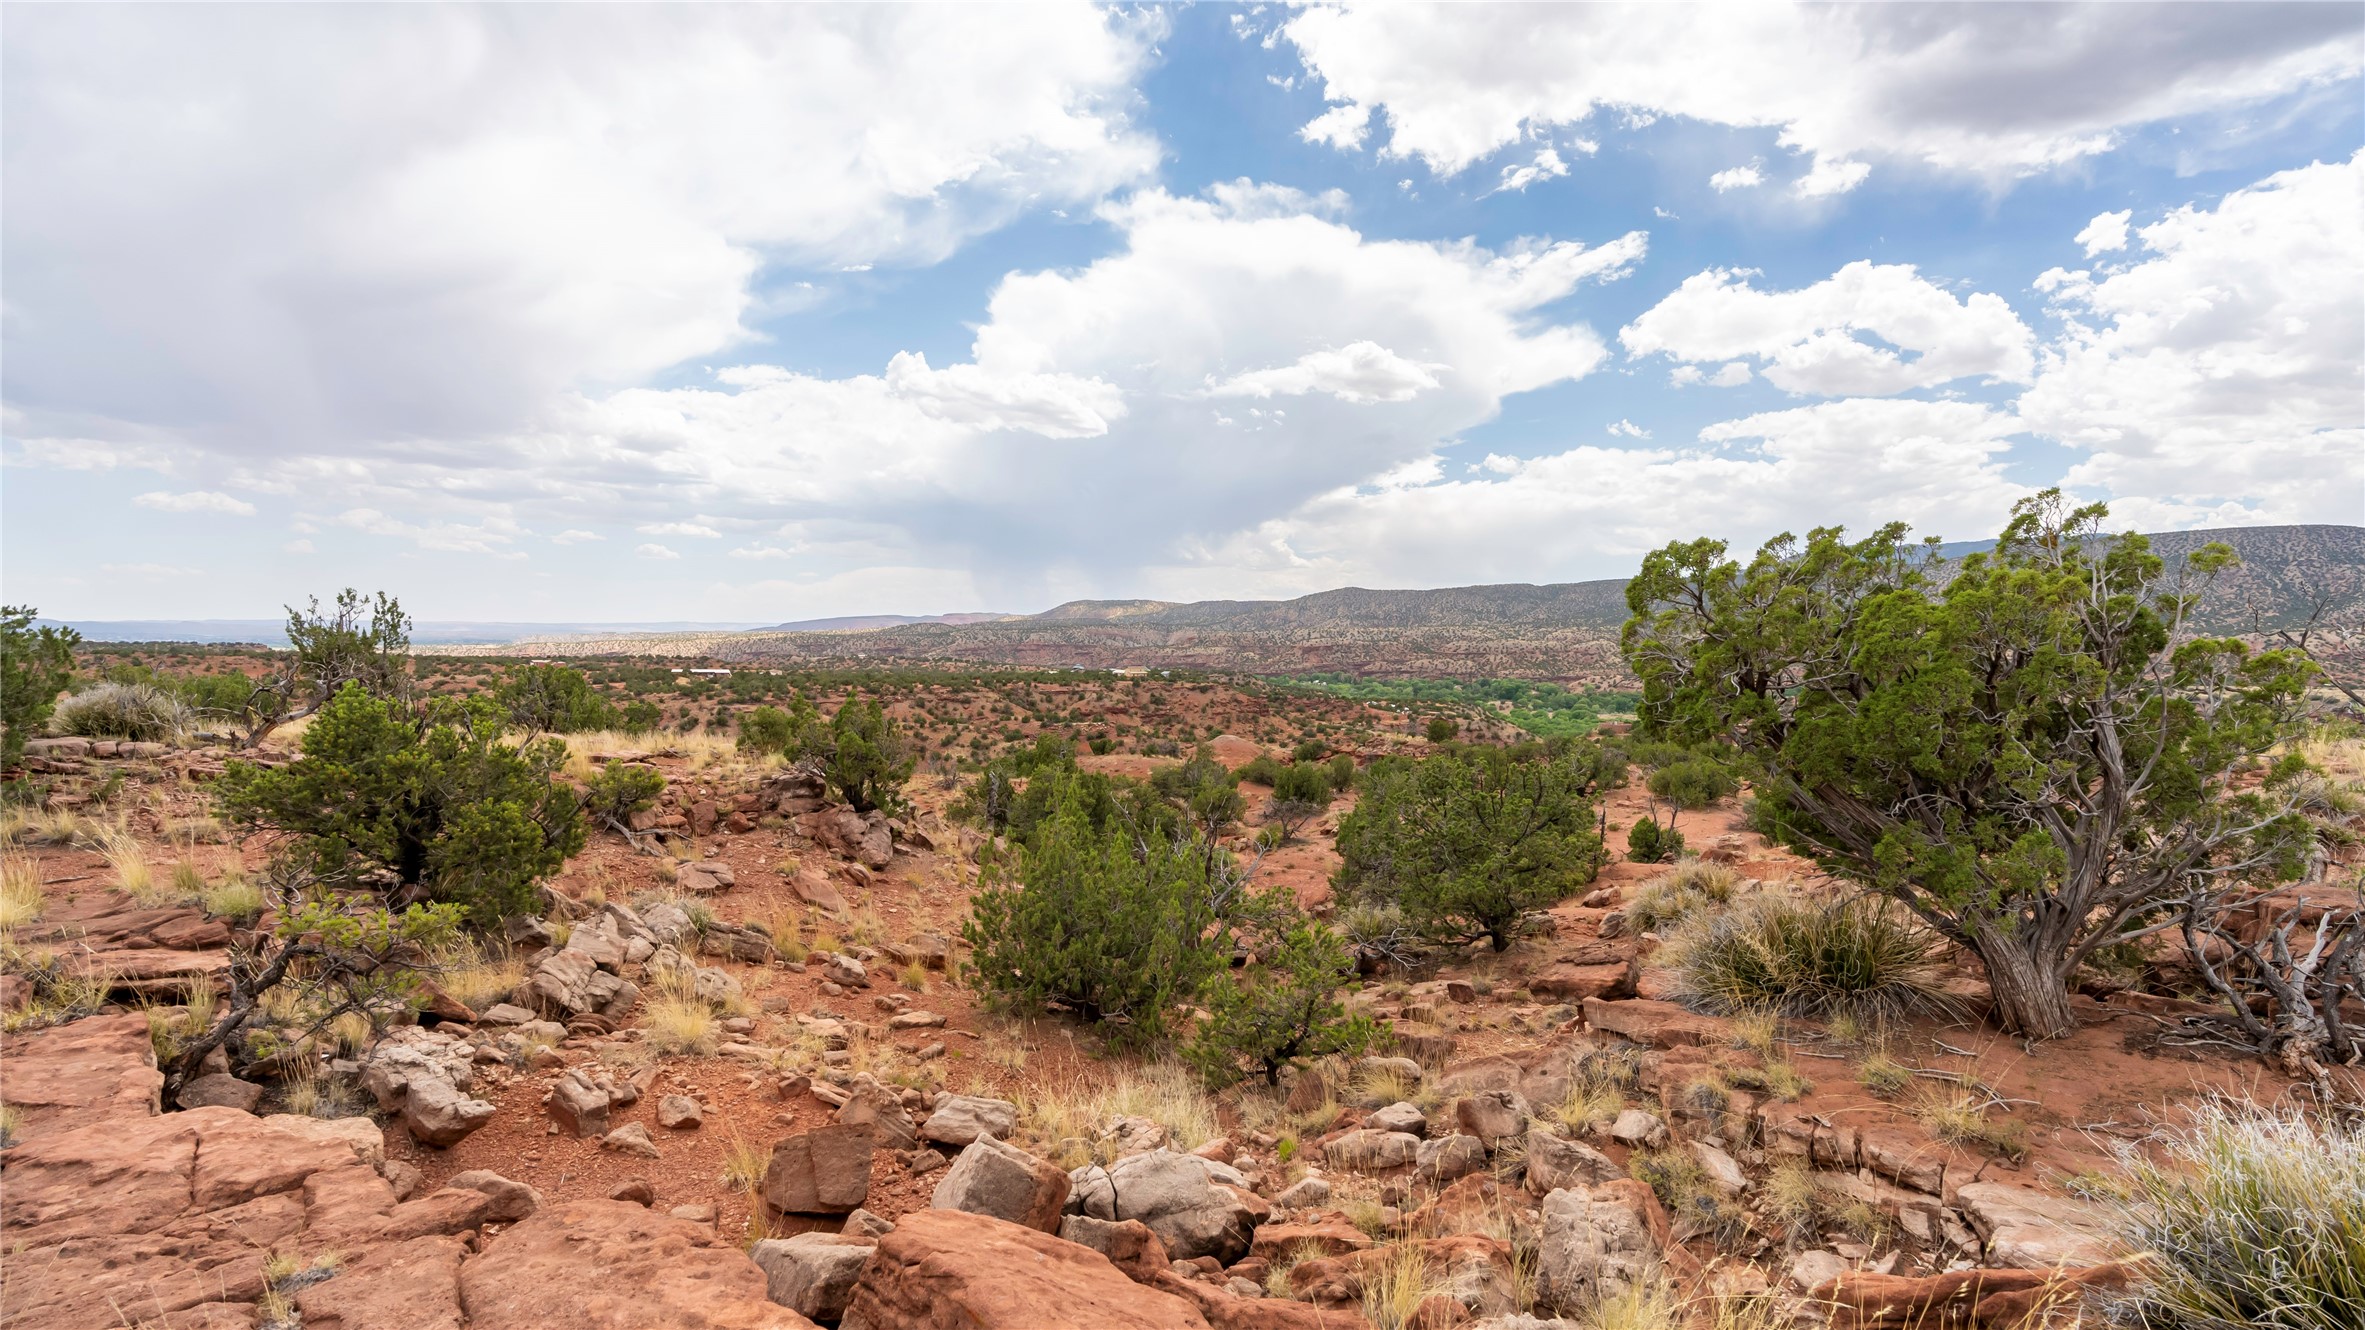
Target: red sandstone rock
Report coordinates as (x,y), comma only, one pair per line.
(98,1069)
(1575,983)
(413,1285)
(1656,1024)
(948,1270)
(611,1265)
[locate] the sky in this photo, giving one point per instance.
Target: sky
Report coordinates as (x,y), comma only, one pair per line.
(751,314)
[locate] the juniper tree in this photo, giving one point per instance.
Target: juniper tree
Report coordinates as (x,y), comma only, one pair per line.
(2038,755)
(425,803)
(1466,843)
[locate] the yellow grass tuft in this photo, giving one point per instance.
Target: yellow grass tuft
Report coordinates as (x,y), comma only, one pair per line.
(21,901)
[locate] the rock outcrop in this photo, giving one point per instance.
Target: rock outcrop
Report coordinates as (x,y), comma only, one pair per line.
(612,1265)
(1189,1202)
(948,1270)
(1001,1180)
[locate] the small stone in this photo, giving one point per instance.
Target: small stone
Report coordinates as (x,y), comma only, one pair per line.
(631,1138)
(1399,1117)
(219,1091)
(512,1201)
(636,1190)
(867,1226)
(1304,1194)
(1638,1128)
(696,1214)
(679,1112)
(404,1178)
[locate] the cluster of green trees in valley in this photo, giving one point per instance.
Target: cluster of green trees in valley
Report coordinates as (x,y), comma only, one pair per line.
(1542,708)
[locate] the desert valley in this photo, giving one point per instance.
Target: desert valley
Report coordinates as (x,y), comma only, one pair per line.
(755,1026)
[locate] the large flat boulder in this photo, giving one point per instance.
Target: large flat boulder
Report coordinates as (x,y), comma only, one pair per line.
(2027,1229)
(1653,1024)
(98,1069)
(996,1178)
(613,1265)
(1599,1242)
(1187,1201)
(949,1270)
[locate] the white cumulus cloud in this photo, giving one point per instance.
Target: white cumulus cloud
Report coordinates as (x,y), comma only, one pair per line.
(1737,177)
(195,501)
(2221,378)
(403,221)
(654,551)
(1807,339)
(1357,372)
(2108,231)
(1994,91)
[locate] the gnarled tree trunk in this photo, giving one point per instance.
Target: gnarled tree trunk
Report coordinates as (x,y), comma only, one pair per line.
(2030,984)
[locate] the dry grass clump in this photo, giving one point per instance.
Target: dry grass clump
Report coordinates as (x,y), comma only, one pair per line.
(1395,1285)
(478,974)
(310,1091)
(170,1028)
(124,711)
(1958,1116)
(1862,957)
(677,1020)
(21,901)
(1694,887)
(129,863)
(234,897)
(59,995)
(42,826)
(2255,1217)
(1053,1117)
(1884,1075)
(744,1162)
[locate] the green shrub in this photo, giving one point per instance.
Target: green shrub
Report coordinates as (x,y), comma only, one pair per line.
(1110,924)
(553,699)
(1342,772)
(1259,770)
(2254,1218)
(1695,782)
(1303,782)
(1649,843)
(864,756)
(788,732)
(1282,1010)
(124,711)
(1466,843)
(638,717)
(1863,957)
(1442,729)
(35,666)
(431,797)
(621,789)
(1309,750)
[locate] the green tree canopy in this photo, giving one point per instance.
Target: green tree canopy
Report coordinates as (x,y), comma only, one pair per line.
(2037,755)
(428,803)
(1465,843)
(1284,1009)
(36,664)
(553,699)
(1099,916)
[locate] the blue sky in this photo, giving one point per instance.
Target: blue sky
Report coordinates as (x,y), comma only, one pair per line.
(758,314)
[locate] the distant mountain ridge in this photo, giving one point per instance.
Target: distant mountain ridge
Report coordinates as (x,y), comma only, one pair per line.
(859,623)
(1566,631)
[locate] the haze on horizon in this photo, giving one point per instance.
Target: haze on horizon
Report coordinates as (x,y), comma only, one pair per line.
(756,314)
